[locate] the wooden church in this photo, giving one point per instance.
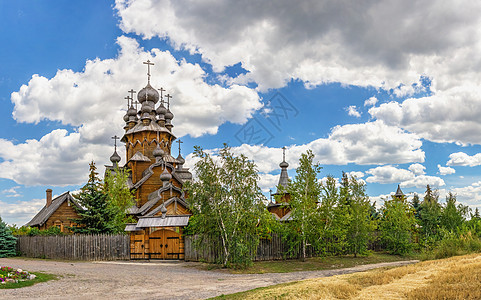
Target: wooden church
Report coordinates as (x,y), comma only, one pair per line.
(156,176)
(280,207)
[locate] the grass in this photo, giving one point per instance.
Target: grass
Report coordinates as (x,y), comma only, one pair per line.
(311,264)
(451,278)
(41,277)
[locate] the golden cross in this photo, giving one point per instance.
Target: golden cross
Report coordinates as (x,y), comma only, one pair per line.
(148,63)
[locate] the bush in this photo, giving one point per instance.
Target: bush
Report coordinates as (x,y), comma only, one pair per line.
(8,242)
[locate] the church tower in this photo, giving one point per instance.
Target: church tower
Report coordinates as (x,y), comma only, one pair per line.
(155,175)
(281,208)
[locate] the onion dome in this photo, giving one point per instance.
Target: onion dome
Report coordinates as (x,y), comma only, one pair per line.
(146,108)
(148,93)
(180,159)
(115,158)
(283,164)
(161,110)
(132,111)
(158,152)
(165,176)
(145,116)
(169,115)
(126,118)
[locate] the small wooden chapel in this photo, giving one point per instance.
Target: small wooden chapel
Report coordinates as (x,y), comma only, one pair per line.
(156,176)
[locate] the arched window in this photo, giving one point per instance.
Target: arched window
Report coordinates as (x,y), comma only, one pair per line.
(59,225)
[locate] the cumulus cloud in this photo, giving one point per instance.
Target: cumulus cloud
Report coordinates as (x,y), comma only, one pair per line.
(371,101)
(469,195)
(371,44)
(12,192)
(353,112)
(463,159)
(446,170)
(379,44)
(356,174)
(417,169)
(406,178)
(20,212)
(364,144)
(92,102)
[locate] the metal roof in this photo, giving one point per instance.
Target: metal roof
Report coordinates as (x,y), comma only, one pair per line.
(46,212)
(167,221)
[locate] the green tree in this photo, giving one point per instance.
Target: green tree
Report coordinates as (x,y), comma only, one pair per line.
(97,216)
(453,216)
(8,242)
(359,225)
(227,204)
(120,197)
(396,224)
(333,218)
(416,204)
(429,216)
(305,191)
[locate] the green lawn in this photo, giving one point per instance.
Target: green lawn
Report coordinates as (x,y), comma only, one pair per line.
(311,264)
(41,277)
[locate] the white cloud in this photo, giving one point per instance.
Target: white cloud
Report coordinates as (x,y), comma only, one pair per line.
(356,174)
(382,44)
(417,169)
(12,192)
(353,112)
(422,181)
(367,143)
(446,170)
(20,212)
(371,101)
(463,159)
(268,182)
(469,195)
(92,101)
(388,174)
(406,178)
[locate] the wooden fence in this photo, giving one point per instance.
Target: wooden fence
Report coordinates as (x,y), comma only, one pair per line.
(75,247)
(268,249)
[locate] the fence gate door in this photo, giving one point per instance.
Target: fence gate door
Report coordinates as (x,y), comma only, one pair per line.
(156,245)
(172,245)
(164,244)
(137,246)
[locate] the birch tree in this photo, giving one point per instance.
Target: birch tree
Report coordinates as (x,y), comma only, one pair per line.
(227,204)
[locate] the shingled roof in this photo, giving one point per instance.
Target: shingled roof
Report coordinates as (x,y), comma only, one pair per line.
(46,212)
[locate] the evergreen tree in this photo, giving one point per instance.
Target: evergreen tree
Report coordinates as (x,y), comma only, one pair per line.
(305,192)
(8,242)
(453,216)
(429,215)
(97,216)
(476,214)
(416,204)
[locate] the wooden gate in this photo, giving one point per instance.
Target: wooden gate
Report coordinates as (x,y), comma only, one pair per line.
(164,244)
(137,249)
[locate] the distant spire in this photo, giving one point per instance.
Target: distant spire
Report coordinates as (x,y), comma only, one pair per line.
(399,193)
(284,178)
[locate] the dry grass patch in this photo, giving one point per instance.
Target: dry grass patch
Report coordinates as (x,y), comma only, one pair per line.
(452,278)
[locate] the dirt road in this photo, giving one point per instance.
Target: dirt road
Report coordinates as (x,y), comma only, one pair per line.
(148,280)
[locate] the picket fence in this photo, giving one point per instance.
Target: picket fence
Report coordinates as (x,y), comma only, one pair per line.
(75,247)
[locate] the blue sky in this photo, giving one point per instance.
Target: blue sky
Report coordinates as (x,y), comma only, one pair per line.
(386,91)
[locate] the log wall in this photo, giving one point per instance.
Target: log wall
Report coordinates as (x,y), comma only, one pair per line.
(75,247)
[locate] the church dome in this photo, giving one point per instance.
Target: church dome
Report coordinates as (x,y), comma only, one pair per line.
(148,93)
(165,176)
(158,151)
(115,158)
(132,111)
(161,110)
(169,115)
(126,118)
(283,164)
(146,108)
(180,159)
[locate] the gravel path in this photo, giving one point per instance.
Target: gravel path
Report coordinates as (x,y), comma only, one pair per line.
(148,280)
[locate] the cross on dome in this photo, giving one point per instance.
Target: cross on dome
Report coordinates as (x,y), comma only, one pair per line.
(148,63)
